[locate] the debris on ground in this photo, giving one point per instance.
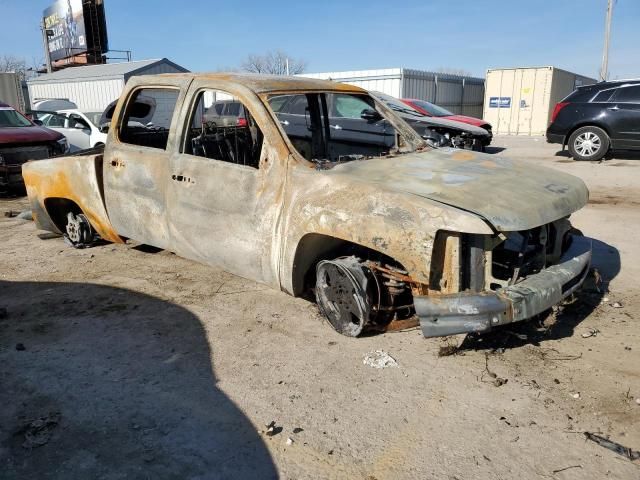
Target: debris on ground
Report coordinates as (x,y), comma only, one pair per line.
(272,429)
(447,350)
(566,468)
(613,446)
(576,395)
(10,213)
(289,441)
(298,430)
(38,432)
(379,359)
(25,215)
(591,333)
(616,305)
(496,380)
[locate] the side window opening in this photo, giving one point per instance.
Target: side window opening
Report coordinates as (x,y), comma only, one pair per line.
(148,117)
(628,94)
(221,128)
(333,127)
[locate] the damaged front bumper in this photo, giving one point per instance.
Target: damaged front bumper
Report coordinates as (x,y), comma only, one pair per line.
(479,312)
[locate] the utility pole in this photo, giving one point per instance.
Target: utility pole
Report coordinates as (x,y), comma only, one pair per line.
(604,71)
(286,62)
(45,41)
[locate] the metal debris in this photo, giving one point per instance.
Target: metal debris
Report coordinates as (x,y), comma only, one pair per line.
(289,441)
(591,333)
(272,429)
(10,214)
(613,446)
(379,359)
(616,305)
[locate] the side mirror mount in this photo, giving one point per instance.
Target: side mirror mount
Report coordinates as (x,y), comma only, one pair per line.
(370,115)
(38,122)
(80,126)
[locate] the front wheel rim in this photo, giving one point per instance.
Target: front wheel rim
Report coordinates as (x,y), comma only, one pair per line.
(587,144)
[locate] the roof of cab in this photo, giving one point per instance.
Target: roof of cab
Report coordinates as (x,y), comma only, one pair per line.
(269,83)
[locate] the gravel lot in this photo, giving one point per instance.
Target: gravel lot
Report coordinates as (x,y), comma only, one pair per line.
(122,362)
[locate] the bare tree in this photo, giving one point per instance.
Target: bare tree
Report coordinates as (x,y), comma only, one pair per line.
(10,63)
(274,63)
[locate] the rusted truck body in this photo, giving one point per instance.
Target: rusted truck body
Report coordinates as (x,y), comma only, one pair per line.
(386,233)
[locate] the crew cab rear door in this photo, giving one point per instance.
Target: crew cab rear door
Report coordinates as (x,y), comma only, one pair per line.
(136,161)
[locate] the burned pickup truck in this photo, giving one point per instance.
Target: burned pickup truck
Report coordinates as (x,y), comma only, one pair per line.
(385,232)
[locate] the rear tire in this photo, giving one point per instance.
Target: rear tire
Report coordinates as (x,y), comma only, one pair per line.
(589,143)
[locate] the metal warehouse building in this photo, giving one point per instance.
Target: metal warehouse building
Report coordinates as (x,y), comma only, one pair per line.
(93,87)
(520,101)
(463,95)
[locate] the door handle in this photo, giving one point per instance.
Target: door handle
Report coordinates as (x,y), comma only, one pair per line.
(615,108)
(182,178)
(335,127)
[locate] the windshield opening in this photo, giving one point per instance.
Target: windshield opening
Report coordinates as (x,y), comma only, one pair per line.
(330,127)
(432,109)
(11,118)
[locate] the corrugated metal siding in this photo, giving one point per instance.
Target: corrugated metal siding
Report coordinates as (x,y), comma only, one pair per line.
(89,96)
(456,93)
(11,90)
(533,92)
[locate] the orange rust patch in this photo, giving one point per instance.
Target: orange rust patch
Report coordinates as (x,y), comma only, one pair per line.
(489,164)
(57,186)
(463,155)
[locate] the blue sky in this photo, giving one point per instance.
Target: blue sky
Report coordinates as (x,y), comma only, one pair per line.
(332,35)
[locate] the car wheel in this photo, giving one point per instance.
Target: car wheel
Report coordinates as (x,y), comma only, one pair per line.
(588,143)
(341,294)
(78,231)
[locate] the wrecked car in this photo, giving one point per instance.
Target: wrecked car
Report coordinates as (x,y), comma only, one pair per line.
(384,232)
(438,131)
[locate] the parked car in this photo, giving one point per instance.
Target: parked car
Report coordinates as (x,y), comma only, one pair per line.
(383,230)
(460,135)
(432,110)
(22,140)
(225,112)
(597,118)
(79,127)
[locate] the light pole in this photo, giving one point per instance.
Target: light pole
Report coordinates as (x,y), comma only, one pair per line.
(604,70)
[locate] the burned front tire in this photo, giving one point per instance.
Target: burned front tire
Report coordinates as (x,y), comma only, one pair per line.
(342,294)
(78,231)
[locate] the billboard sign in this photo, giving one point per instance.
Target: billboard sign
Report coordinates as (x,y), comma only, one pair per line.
(65,19)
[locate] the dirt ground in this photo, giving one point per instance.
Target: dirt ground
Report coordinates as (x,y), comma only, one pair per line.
(122,362)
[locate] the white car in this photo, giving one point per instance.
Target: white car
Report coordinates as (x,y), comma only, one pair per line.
(79,127)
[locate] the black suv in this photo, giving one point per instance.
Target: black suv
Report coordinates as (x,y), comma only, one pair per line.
(596,118)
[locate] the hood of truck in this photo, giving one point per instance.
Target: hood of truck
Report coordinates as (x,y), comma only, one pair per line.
(510,195)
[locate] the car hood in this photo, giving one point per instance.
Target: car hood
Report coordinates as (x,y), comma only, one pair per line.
(510,195)
(33,134)
(445,122)
(478,122)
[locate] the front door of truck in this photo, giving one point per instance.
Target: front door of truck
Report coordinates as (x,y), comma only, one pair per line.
(136,162)
(224,192)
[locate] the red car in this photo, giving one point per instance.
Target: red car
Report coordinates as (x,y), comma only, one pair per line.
(431,110)
(22,140)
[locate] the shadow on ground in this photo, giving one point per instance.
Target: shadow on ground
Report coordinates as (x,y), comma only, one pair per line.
(554,325)
(613,155)
(102,382)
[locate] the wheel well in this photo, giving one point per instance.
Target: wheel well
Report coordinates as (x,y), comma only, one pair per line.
(58,208)
(585,124)
(315,247)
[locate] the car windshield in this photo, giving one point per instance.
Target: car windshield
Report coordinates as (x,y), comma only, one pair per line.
(397,105)
(327,128)
(11,118)
(432,109)
(94,117)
